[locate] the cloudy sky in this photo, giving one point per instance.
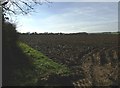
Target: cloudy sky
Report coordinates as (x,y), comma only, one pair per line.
(69,17)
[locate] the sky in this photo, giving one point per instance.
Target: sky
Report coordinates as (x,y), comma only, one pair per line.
(71,17)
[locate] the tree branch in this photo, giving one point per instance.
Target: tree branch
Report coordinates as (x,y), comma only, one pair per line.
(27,4)
(19,7)
(7,9)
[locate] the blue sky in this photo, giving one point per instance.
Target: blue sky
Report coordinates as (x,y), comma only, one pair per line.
(71,17)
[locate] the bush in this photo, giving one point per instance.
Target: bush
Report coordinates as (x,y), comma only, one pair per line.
(13,58)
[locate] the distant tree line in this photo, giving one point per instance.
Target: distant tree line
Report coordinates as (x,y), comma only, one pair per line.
(79,33)
(46,33)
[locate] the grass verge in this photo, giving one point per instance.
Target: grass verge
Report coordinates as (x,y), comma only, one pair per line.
(43,65)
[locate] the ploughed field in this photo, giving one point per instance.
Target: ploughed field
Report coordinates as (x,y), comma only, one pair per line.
(92,58)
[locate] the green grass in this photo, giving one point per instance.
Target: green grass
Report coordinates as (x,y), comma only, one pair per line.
(43,65)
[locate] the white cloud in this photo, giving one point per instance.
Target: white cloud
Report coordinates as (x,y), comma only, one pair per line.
(71,19)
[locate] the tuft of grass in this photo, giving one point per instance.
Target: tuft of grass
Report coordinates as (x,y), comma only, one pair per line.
(43,65)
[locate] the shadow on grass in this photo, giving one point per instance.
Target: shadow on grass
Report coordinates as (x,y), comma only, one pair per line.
(17,68)
(14,61)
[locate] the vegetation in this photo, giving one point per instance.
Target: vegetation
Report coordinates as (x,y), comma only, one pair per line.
(44,67)
(56,59)
(75,59)
(66,60)
(92,58)
(23,65)
(42,63)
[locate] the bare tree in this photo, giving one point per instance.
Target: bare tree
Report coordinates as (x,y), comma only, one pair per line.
(20,6)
